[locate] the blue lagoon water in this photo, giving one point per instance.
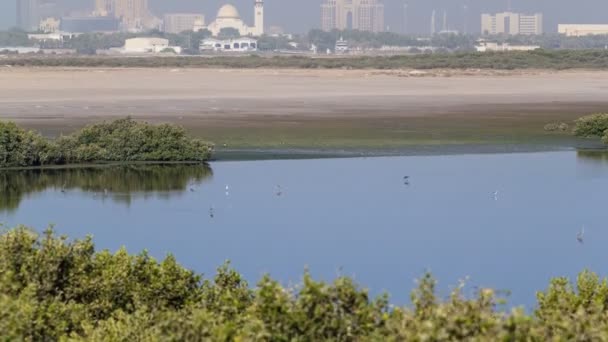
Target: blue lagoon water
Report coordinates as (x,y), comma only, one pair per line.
(341,216)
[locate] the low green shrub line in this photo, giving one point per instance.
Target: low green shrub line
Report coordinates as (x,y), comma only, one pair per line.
(52,288)
(123,140)
(539,59)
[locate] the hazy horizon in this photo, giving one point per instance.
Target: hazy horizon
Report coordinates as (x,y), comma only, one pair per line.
(298,16)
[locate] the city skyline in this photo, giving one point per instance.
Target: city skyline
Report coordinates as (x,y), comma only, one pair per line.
(359,15)
(295,16)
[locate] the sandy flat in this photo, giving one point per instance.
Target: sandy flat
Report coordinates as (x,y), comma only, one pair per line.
(29,94)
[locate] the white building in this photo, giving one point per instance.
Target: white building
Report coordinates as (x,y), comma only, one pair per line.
(228,17)
(580,30)
(149,45)
(484,46)
(244,44)
(512,23)
(180,22)
(341,46)
(49,25)
(43,37)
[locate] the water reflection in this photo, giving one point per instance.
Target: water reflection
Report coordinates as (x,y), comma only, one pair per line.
(593,156)
(120,183)
(355,215)
(592,164)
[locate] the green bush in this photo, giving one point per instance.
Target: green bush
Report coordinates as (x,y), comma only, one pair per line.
(54,289)
(20,148)
(541,59)
(554,126)
(595,125)
(123,140)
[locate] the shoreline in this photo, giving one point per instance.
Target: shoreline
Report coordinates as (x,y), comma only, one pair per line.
(320,110)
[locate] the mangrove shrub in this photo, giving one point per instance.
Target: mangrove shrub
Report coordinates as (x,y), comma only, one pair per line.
(124,140)
(19,147)
(595,125)
(52,288)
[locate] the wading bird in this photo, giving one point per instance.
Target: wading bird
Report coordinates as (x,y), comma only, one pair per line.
(279,191)
(580,236)
(211,212)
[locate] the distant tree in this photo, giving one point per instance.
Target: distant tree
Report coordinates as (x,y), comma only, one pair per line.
(229,33)
(15,37)
(97,41)
(189,41)
(268,43)
(322,40)
(204,33)
(169,50)
(365,39)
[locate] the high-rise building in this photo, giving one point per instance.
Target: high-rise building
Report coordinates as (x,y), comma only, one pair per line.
(180,22)
(512,23)
(132,13)
(364,15)
(28,18)
(104,8)
(329,15)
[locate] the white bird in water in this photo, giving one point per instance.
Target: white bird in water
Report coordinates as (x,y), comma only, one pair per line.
(227,190)
(496,195)
(580,236)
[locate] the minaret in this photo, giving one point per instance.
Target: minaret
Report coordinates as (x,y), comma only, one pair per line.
(405,18)
(433,24)
(465,25)
(259,17)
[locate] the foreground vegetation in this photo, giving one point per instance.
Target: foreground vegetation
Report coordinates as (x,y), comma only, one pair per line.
(123,140)
(540,59)
(55,289)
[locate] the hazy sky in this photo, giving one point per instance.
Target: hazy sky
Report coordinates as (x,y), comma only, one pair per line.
(301,15)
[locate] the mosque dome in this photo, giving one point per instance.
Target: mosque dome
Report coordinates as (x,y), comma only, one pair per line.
(228,12)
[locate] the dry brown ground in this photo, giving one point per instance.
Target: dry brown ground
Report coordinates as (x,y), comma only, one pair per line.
(229,105)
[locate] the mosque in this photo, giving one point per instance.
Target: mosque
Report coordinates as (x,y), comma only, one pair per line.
(228,17)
